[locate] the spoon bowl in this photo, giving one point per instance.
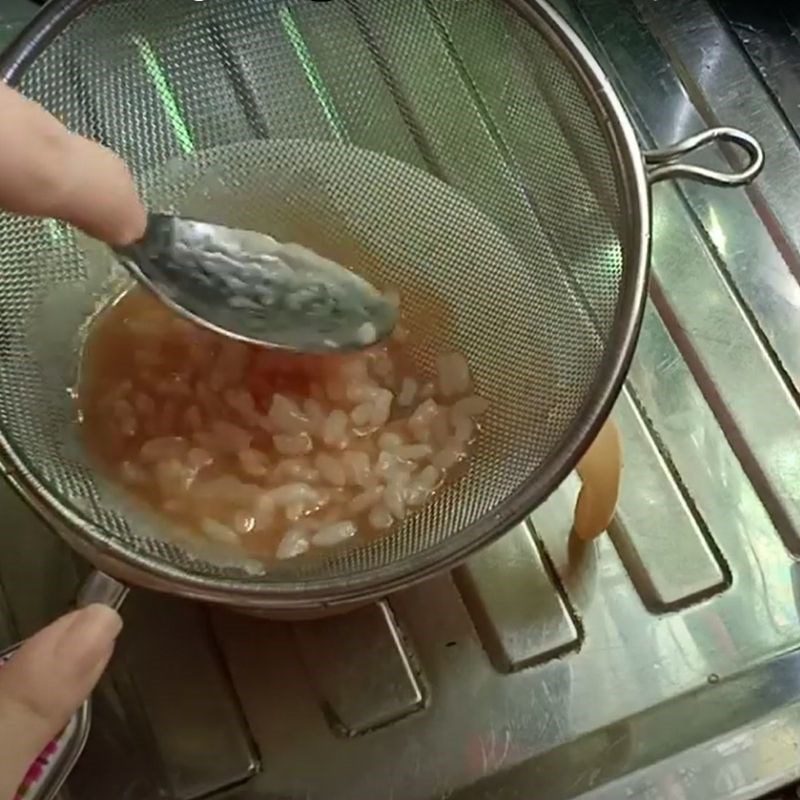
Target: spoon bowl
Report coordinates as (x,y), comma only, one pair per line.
(248,286)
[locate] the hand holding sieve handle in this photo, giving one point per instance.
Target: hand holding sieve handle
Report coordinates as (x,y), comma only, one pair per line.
(38,664)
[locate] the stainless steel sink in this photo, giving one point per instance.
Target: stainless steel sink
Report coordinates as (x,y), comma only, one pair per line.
(14,14)
(660,663)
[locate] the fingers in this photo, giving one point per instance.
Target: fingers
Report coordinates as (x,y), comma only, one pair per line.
(47,171)
(46,681)
(100,196)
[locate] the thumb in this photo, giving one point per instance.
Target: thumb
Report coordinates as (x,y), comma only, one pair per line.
(45,683)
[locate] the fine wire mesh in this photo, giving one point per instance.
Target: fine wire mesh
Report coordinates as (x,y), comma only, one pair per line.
(441,146)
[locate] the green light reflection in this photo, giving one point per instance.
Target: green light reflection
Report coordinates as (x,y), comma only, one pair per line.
(312,73)
(159,78)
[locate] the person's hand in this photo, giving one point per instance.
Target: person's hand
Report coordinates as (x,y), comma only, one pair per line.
(46,171)
(45,682)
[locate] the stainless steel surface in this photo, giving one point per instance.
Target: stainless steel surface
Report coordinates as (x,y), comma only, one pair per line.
(194,718)
(253,288)
(14,14)
(684,682)
(502,610)
(361,668)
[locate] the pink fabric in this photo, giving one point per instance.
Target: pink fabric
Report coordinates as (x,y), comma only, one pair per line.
(38,770)
(39,767)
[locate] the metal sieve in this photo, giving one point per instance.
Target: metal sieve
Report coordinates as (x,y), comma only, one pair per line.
(469,152)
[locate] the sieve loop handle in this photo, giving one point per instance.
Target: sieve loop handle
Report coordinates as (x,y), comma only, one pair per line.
(667,162)
(600,471)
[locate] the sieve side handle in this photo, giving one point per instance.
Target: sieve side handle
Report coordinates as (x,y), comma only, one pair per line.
(102,588)
(667,162)
(600,471)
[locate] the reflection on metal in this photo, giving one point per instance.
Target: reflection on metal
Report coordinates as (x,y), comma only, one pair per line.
(14,14)
(658,662)
(660,538)
(517,609)
(360,669)
(199,732)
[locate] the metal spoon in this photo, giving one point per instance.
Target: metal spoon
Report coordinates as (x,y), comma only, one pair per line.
(248,286)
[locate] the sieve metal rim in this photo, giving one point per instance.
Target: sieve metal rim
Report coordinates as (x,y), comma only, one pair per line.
(152,573)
